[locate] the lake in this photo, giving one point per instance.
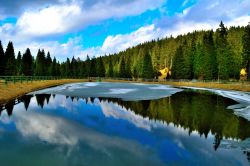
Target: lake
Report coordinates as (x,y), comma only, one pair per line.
(122,124)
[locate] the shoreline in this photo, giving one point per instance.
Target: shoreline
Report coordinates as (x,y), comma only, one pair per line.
(15,90)
(243,87)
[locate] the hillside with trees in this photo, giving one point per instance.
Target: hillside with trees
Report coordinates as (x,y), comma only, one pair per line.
(203,55)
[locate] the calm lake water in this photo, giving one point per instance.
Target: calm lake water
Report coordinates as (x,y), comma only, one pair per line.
(122,124)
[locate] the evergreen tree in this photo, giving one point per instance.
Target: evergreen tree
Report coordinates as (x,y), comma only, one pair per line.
(48,62)
(128,68)
(53,71)
(156,57)
(41,67)
(43,63)
(48,59)
(100,69)
(19,64)
(246,50)
(122,70)
(198,62)
(10,68)
(147,69)
(58,71)
(83,69)
(178,63)
(74,67)
(191,54)
(2,60)
(110,70)
(222,55)
(138,66)
(93,67)
(187,64)
(87,66)
(209,60)
(67,68)
(27,63)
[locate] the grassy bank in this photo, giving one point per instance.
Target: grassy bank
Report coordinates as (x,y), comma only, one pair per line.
(214,85)
(11,90)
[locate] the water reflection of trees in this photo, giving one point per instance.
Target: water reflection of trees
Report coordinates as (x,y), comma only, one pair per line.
(10,105)
(195,112)
(41,98)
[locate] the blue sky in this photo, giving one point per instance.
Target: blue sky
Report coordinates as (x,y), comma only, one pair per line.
(69,28)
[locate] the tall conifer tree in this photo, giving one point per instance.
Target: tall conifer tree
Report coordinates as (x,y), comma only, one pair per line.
(10,68)
(147,69)
(2,60)
(246,50)
(27,63)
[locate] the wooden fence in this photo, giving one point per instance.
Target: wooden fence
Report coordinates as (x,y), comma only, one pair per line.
(15,79)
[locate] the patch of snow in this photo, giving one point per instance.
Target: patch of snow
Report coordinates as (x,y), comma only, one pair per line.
(139,84)
(161,87)
(120,91)
(124,91)
(232,144)
(91,84)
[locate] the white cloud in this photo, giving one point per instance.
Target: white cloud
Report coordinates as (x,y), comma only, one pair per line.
(116,43)
(51,20)
(185,3)
(69,49)
(121,42)
(240,21)
(92,51)
(69,17)
(225,10)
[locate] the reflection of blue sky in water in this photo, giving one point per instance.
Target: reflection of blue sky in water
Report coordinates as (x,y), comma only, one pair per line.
(109,132)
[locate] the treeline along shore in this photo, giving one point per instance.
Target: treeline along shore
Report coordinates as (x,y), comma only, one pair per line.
(202,55)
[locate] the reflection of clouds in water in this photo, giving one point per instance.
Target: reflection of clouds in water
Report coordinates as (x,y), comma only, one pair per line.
(117,111)
(56,130)
(47,128)
(5,119)
(114,110)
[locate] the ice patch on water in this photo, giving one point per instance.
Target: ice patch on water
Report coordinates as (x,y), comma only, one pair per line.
(161,87)
(121,91)
(233,144)
(91,84)
(139,84)
(124,91)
